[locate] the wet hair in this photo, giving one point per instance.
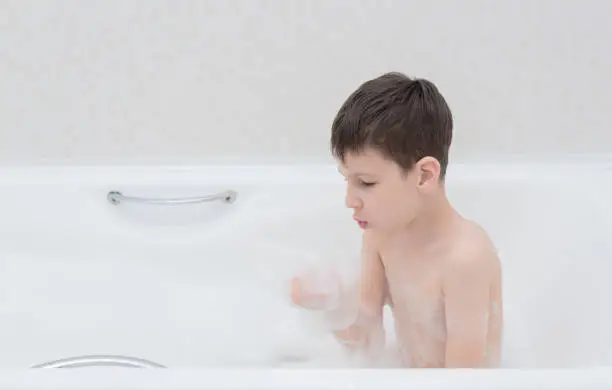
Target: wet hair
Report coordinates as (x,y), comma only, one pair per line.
(403,119)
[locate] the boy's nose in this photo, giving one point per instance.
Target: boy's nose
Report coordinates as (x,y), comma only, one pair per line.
(352,202)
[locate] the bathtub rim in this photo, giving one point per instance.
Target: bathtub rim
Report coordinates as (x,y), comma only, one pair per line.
(307,173)
(272,379)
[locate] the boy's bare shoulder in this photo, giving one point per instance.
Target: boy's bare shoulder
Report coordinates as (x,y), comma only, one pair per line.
(473,250)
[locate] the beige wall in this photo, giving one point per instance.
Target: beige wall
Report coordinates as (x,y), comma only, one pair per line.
(195,81)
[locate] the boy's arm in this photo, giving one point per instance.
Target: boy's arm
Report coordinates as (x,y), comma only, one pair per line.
(466,289)
(366,330)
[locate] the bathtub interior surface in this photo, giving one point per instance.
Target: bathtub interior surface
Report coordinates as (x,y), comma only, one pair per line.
(205,285)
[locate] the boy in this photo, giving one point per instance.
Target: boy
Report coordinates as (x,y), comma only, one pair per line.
(439,272)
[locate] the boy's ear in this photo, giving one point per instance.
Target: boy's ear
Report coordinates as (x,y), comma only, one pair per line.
(428,170)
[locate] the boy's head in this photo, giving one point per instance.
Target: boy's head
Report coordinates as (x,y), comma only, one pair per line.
(392,137)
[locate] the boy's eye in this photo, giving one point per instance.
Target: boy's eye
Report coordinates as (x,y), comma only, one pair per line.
(366,184)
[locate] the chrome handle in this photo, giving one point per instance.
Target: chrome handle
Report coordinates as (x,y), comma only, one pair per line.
(116,197)
(100,360)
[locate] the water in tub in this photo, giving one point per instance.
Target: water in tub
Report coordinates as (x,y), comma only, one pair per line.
(59,308)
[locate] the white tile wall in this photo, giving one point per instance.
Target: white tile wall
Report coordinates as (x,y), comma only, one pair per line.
(174,81)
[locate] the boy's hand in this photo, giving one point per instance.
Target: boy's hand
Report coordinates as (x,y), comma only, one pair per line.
(306,295)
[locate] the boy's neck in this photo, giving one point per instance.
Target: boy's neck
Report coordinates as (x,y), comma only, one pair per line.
(434,222)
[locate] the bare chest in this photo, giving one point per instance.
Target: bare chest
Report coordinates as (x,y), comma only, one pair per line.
(414,287)
(415,296)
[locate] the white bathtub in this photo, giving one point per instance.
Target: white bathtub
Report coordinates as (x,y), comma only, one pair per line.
(200,289)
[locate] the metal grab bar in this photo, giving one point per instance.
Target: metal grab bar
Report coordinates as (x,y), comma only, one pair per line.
(100,360)
(116,197)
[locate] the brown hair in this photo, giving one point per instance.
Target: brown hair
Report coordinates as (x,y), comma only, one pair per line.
(401,118)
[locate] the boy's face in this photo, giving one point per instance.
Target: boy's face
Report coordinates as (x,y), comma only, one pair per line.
(382,196)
